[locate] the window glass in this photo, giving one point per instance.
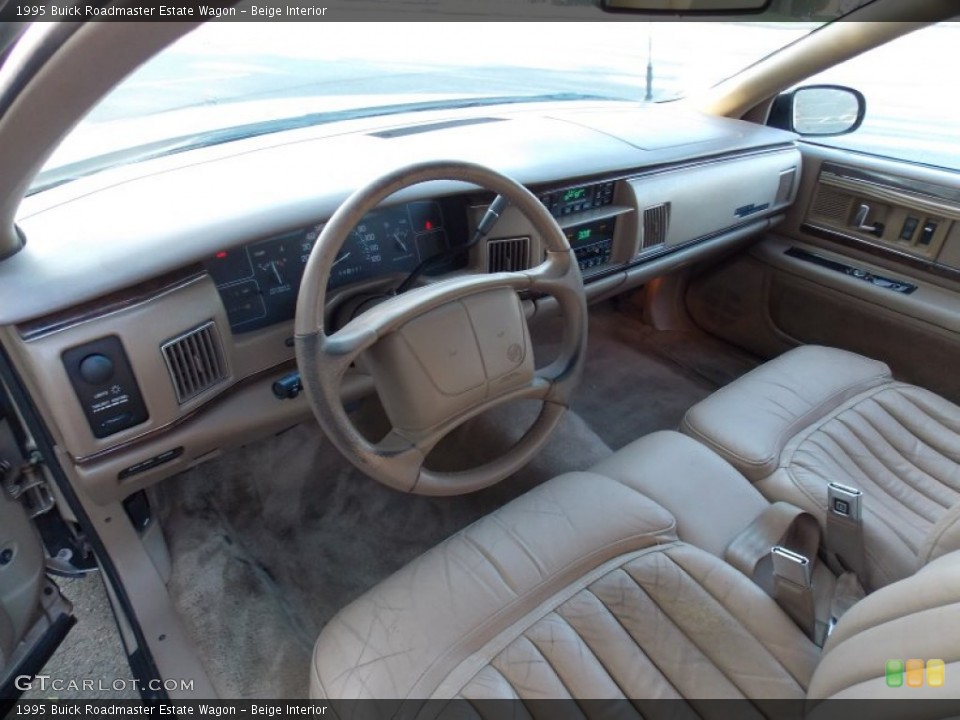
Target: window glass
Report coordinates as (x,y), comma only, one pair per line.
(913,107)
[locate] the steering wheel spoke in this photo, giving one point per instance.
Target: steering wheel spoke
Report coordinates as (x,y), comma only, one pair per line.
(363,331)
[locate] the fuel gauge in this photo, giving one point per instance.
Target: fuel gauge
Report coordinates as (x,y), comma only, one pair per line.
(399,237)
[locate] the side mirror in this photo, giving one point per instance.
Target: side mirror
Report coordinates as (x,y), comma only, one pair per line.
(819,110)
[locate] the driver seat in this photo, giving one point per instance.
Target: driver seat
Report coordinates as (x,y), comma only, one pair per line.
(581,589)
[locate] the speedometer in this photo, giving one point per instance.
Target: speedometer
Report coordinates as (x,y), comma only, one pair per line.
(359,256)
(383,242)
(366,242)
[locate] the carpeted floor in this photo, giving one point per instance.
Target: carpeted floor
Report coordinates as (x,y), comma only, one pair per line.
(269,542)
(638,380)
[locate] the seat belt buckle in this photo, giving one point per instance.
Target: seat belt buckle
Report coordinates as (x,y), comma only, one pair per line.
(792,566)
(844,501)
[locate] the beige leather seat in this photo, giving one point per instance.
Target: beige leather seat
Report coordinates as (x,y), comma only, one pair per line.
(581,589)
(816,415)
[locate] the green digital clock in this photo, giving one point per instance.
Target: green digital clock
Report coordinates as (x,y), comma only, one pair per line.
(574,194)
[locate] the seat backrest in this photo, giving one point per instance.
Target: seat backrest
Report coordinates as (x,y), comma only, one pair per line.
(917,618)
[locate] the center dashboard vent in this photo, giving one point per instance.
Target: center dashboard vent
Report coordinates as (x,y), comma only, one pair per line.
(508,255)
(431,127)
(195,361)
(656,223)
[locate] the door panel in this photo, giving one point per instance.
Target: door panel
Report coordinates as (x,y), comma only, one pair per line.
(21,578)
(884,281)
(34,616)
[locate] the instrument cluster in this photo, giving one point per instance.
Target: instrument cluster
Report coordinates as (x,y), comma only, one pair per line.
(259,282)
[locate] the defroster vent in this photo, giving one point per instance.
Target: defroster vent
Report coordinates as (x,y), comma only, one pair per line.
(508,255)
(656,222)
(195,361)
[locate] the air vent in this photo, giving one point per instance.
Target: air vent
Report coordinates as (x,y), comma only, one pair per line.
(833,205)
(785,189)
(656,222)
(195,361)
(508,255)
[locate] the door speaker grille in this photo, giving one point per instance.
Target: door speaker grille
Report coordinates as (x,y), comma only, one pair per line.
(832,204)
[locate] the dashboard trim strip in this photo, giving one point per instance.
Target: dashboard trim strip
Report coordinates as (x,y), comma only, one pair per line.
(176,422)
(111,304)
(538,188)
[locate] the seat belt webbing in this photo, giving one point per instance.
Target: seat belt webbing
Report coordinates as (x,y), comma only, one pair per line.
(796,535)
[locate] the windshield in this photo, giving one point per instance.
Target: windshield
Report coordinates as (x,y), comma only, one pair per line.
(228,80)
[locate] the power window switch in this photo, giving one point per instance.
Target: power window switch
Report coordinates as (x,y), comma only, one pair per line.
(927,233)
(909,227)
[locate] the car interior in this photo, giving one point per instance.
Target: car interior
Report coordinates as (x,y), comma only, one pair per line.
(577,399)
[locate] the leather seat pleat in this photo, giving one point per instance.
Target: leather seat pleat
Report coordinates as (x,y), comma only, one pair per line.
(661,626)
(925,415)
(728,614)
(530,673)
(881,466)
(489,684)
(574,662)
(899,431)
(629,666)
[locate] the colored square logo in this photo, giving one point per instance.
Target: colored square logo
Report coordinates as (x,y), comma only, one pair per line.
(935,673)
(894,673)
(914,673)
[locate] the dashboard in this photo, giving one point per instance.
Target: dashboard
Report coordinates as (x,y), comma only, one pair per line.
(150,318)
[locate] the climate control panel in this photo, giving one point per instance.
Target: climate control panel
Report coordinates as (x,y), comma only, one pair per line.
(578,199)
(594,254)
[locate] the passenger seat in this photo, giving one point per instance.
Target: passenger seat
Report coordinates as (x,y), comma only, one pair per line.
(816,416)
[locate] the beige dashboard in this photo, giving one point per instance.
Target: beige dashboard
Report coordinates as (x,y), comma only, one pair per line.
(139,378)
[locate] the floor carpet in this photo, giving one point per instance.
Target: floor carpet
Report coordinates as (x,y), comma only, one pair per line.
(270,541)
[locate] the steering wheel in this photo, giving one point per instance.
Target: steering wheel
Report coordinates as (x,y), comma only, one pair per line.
(444,352)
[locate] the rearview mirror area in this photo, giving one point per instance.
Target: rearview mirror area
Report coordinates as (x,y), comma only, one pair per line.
(819,110)
(685,7)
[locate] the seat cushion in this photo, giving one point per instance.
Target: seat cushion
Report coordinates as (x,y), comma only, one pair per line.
(818,415)
(578,588)
(913,618)
(749,421)
(900,445)
(711,501)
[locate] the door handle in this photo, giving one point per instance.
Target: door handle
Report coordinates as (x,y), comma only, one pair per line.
(860,221)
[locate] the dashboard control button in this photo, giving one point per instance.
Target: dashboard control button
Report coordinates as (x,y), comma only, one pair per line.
(288,387)
(105,386)
(96,369)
